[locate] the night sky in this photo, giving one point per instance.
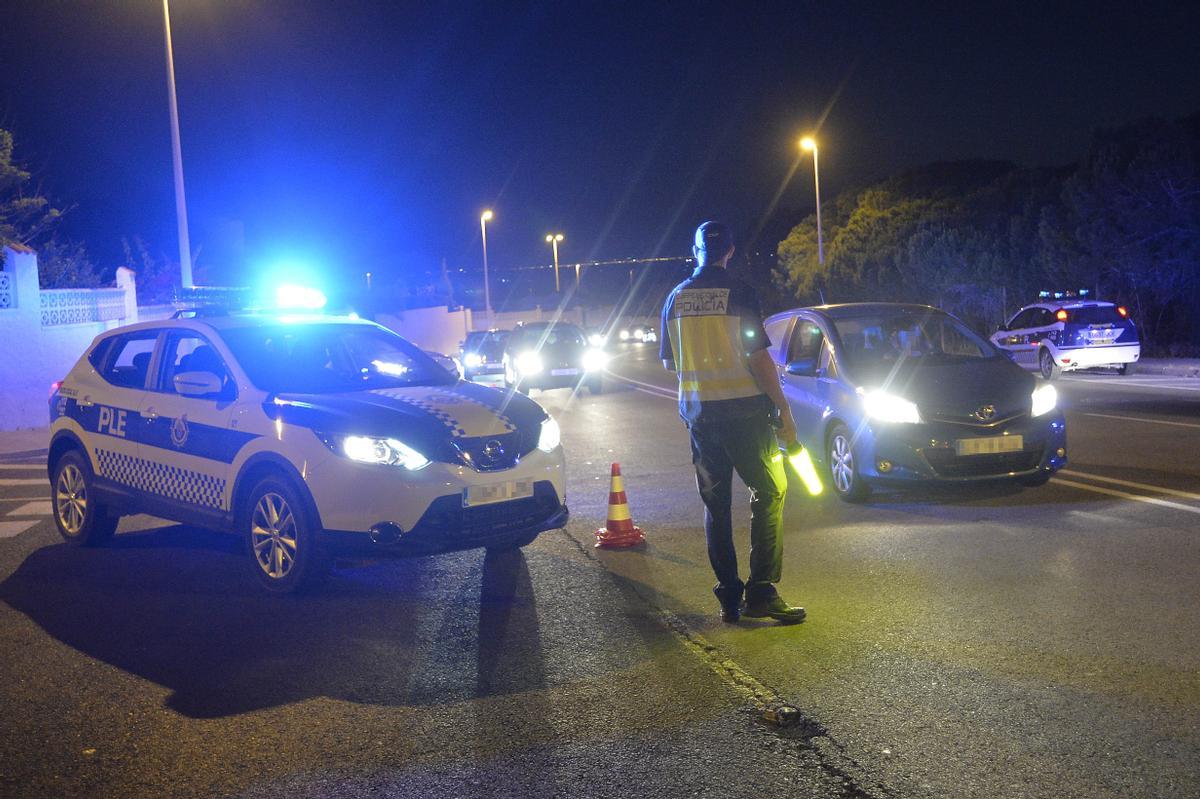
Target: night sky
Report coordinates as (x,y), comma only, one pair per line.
(355,135)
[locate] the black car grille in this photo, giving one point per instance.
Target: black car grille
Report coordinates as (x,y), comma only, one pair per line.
(447,518)
(948,464)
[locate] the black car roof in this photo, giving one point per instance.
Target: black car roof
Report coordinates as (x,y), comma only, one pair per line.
(852,309)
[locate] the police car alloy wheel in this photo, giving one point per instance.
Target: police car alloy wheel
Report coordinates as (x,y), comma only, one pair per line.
(842,467)
(280,538)
(80,518)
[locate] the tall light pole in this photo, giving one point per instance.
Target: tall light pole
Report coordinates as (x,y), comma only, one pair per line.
(185,248)
(809,144)
(553,239)
(484,218)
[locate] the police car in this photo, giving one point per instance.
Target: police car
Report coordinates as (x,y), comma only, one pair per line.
(310,436)
(1065,332)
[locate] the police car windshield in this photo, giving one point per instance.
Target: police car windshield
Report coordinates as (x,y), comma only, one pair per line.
(868,341)
(327,358)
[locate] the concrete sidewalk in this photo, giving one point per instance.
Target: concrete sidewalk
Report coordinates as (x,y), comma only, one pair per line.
(21,444)
(1173,367)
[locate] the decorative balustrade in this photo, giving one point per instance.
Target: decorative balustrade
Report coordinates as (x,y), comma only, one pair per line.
(8,297)
(79,306)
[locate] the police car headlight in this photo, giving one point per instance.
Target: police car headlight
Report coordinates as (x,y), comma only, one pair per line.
(551,436)
(473,359)
(594,360)
(884,407)
(1045,398)
(384,451)
(529,363)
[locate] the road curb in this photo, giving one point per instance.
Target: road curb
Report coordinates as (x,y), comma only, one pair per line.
(1170,367)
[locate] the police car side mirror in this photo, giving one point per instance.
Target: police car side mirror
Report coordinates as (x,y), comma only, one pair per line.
(197,384)
(805,367)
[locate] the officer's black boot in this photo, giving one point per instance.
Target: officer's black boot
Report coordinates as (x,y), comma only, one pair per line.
(730,597)
(764,602)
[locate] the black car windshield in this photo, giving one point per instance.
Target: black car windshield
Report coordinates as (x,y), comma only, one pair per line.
(489,342)
(537,336)
(329,357)
(900,334)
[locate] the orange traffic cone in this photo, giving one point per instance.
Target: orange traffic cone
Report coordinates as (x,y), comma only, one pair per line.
(619,531)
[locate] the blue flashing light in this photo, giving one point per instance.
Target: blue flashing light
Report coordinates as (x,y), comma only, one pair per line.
(291,296)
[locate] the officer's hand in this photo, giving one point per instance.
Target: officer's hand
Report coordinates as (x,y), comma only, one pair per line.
(786,432)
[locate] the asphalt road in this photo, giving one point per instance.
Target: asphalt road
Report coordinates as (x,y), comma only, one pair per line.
(983,643)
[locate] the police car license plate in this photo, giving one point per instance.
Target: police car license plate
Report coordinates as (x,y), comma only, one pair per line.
(563,372)
(988,446)
(497,492)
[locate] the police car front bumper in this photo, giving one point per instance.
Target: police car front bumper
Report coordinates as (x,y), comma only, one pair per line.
(429,507)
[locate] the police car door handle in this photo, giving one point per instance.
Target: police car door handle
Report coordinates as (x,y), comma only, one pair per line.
(86,401)
(149,413)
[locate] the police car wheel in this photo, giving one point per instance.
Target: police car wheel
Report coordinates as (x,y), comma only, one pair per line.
(81,519)
(281,540)
(843,467)
(1128,368)
(1047,366)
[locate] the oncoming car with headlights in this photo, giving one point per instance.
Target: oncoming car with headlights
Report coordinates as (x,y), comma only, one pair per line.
(888,394)
(311,437)
(548,355)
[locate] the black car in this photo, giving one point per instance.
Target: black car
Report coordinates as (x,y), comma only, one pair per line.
(552,355)
(482,353)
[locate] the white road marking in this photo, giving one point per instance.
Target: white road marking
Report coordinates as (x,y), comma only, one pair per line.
(13,529)
(1139,419)
(20,481)
(40,507)
(1131,484)
(21,467)
(646,388)
(1167,383)
(22,499)
(1112,492)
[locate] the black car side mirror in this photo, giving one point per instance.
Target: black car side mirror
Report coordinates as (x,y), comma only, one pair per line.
(805,367)
(1003,329)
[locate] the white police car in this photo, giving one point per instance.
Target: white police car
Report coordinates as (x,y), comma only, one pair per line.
(1065,332)
(309,436)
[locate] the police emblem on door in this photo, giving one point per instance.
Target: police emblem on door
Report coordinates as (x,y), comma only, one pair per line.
(179,431)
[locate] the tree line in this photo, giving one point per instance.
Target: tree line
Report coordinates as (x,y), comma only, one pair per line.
(982,238)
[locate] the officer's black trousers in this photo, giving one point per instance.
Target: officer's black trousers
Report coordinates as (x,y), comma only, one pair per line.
(748,446)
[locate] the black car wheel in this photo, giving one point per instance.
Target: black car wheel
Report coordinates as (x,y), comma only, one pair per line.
(81,519)
(1046,365)
(280,538)
(1035,480)
(843,466)
(595,385)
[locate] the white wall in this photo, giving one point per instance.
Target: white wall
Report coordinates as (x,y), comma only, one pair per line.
(34,355)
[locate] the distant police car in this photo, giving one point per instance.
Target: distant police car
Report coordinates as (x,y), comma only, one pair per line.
(1064,332)
(310,436)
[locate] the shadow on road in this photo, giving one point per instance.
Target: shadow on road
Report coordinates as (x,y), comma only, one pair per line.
(172,605)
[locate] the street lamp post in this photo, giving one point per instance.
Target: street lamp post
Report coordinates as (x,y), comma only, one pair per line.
(185,249)
(484,218)
(553,239)
(808,144)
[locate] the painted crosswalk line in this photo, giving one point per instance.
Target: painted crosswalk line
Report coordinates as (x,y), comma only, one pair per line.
(13,529)
(21,481)
(39,507)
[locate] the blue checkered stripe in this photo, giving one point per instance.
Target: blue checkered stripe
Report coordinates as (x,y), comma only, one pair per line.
(172,482)
(439,411)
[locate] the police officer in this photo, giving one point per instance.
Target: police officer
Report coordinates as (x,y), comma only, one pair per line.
(728,395)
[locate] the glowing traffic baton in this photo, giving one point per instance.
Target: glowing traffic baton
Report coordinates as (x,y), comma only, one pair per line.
(798,456)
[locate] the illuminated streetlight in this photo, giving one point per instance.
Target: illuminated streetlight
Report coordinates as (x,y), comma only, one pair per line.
(809,144)
(185,249)
(368,281)
(484,218)
(553,239)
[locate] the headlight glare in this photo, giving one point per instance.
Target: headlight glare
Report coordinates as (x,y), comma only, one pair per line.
(383,451)
(551,436)
(473,359)
(594,360)
(884,407)
(1045,398)
(529,363)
